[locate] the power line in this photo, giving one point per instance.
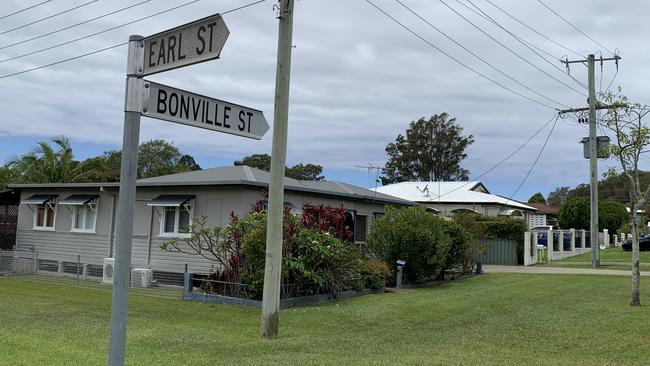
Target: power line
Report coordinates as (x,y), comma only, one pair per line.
(534,30)
(74,25)
(453,58)
(574,27)
(119,44)
(612,81)
(506,158)
(534,162)
(24,9)
(62,61)
(475,55)
(512,51)
(98,33)
(49,17)
(526,44)
(492,21)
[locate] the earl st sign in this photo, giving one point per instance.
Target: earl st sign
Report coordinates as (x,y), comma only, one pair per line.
(191,43)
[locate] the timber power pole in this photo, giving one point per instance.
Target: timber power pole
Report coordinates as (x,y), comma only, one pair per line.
(593,151)
(273,263)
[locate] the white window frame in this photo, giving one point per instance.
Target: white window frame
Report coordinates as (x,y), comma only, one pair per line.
(92,205)
(51,204)
(189,207)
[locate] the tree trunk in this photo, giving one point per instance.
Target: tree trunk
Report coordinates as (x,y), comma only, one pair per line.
(636,273)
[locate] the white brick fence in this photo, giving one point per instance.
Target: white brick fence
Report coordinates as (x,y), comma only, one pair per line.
(559,244)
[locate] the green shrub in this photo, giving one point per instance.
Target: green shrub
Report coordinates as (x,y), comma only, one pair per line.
(414,235)
(375,273)
(462,252)
(576,213)
(612,215)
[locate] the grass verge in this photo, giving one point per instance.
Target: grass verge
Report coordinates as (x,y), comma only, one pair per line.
(492,319)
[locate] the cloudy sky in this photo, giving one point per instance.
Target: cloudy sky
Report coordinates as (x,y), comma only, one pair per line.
(358,79)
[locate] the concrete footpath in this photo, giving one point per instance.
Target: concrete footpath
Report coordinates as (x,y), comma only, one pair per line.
(556,270)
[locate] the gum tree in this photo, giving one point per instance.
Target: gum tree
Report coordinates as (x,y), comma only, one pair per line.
(631,140)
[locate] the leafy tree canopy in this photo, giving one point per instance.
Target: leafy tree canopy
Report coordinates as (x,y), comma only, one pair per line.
(537,198)
(55,163)
(576,212)
(431,150)
(299,171)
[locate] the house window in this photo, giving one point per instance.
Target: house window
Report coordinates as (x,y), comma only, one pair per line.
(84,218)
(175,212)
(175,220)
(360,228)
(44,216)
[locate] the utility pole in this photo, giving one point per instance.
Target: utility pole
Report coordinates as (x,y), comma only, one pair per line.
(593,151)
(128,174)
(274,227)
(593,165)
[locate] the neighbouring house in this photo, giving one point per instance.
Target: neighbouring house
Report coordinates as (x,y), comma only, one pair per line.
(452,197)
(62,221)
(544,215)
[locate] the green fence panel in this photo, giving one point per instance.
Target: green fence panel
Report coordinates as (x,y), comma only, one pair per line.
(496,251)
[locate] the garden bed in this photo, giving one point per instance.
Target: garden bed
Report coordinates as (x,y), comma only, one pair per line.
(239,295)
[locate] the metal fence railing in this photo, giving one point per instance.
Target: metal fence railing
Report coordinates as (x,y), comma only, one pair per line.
(75,270)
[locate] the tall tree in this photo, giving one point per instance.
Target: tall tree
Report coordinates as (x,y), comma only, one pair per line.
(48,164)
(558,197)
(299,171)
(537,198)
(431,150)
(8,176)
(305,172)
(159,157)
(631,139)
(259,161)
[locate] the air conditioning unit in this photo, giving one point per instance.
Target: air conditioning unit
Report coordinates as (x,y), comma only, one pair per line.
(141,277)
(108,270)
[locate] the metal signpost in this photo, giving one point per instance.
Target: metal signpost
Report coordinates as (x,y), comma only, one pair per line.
(186,45)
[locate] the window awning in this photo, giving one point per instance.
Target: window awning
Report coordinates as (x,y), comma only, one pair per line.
(289,205)
(170,200)
(39,199)
(78,199)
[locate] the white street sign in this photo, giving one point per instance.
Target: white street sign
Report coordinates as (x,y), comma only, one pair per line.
(191,43)
(180,106)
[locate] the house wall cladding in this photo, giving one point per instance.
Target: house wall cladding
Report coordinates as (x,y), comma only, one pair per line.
(215,203)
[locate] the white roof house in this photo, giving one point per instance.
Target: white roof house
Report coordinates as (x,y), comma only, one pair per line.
(450,197)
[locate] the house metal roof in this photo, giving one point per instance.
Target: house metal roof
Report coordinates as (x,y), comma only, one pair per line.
(448,192)
(240,175)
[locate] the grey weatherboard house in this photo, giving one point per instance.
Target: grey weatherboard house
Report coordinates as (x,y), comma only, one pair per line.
(61,221)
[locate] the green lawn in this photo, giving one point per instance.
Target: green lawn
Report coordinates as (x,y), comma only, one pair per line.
(610,255)
(494,319)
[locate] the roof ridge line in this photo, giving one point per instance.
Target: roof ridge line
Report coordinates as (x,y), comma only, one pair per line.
(249,173)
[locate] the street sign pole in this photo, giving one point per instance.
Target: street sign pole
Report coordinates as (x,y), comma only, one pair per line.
(126,205)
(271,294)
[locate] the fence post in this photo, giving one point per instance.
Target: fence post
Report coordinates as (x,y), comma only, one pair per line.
(583,239)
(549,245)
(187,286)
(560,242)
(78,265)
(535,247)
(527,249)
(573,241)
(606,238)
(35,264)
